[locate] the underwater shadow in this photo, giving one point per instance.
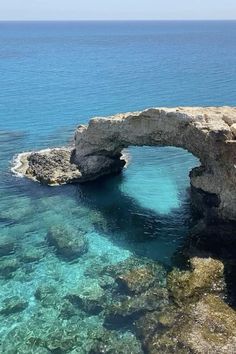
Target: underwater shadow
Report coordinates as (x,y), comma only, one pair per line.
(128,224)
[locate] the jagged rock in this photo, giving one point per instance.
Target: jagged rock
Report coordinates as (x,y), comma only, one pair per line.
(89,298)
(69,243)
(7,245)
(156,323)
(8,265)
(206,275)
(207,326)
(138,279)
(136,274)
(51,166)
(12,305)
(130,263)
(198,321)
(208,133)
(147,325)
(131,308)
(233,129)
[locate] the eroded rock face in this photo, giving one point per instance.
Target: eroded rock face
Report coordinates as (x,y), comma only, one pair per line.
(208,133)
(51,166)
(206,276)
(207,326)
(198,321)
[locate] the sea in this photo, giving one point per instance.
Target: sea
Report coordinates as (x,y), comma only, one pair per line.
(53,77)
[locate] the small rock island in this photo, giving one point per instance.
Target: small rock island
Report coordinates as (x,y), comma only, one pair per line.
(208,133)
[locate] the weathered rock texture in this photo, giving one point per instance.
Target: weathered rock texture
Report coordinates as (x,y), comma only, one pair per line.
(205,132)
(208,133)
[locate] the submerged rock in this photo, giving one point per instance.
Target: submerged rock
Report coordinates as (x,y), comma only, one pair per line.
(89,298)
(46,294)
(8,265)
(25,349)
(148,324)
(141,287)
(12,305)
(60,336)
(68,310)
(134,275)
(16,210)
(69,242)
(60,340)
(114,343)
(7,245)
(207,275)
(137,279)
(121,313)
(32,254)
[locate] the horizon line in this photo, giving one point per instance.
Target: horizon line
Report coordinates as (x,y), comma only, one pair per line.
(116,20)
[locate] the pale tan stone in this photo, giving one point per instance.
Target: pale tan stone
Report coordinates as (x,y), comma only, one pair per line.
(208,133)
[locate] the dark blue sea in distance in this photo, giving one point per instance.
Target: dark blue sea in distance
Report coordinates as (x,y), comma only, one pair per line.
(56,75)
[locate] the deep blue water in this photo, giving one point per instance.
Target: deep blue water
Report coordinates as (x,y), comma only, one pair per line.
(56,75)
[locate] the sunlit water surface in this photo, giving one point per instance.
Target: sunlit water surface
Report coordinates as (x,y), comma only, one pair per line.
(57,75)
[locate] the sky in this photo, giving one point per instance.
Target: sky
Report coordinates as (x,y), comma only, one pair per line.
(116,9)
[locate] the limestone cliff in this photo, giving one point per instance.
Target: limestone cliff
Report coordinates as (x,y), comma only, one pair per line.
(208,133)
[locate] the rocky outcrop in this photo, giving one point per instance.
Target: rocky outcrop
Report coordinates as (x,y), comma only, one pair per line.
(208,133)
(207,326)
(206,276)
(51,166)
(198,320)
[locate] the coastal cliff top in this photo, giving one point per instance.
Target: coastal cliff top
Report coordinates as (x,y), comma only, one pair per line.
(217,115)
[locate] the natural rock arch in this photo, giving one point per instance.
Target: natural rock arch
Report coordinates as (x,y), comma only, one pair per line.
(208,133)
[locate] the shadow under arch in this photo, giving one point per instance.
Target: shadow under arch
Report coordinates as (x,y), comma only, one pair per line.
(144,230)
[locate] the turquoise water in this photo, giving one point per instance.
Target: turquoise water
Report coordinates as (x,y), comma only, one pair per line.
(55,76)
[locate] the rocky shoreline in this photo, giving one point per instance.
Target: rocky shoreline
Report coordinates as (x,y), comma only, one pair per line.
(56,167)
(142,306)
(208,133)
(135,305)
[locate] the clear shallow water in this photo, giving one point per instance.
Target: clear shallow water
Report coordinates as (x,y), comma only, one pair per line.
(57,75)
